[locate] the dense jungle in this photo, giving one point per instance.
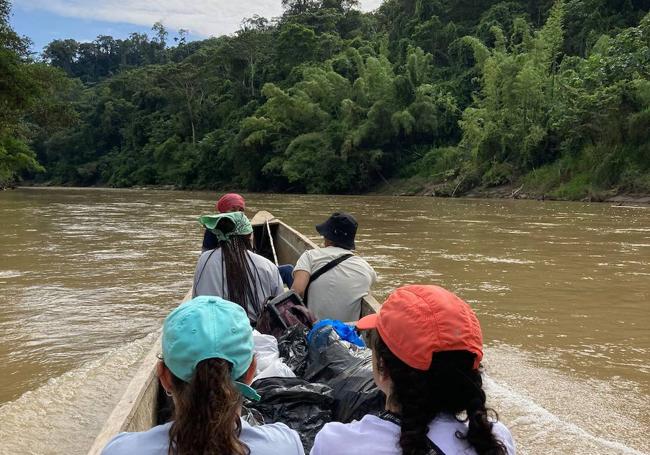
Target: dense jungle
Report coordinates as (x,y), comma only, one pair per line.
(551,98)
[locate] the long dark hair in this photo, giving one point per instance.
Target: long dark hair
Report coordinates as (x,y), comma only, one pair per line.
(450,386)
(240,274)
(206,417)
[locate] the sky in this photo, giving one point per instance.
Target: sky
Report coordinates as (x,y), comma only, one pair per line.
(45,20)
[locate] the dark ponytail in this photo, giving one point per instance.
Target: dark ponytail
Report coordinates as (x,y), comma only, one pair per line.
(449,386)
(206,417)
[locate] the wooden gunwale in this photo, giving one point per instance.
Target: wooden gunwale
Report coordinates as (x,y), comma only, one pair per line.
(137,408)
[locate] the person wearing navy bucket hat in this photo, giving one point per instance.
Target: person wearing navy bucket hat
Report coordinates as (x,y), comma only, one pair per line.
(332,280)
(340,229)
(207,365)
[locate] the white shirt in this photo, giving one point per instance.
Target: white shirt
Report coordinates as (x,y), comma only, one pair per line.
(271,439)
(375,436)
(210,278)
(338,292)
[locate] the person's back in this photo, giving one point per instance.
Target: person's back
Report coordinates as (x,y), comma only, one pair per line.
(209,279)
(206,367)
(377,436)
(232,270)
(336,293)
(270,439)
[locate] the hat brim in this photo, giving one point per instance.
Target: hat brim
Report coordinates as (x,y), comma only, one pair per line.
(368,322)
(248,391)
(323,230)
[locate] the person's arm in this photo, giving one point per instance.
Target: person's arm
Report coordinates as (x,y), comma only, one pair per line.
(301,274)
(300,282)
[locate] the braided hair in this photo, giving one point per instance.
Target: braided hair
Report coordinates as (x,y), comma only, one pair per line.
(450,386)
(240,277)
(240,273)
(206,417)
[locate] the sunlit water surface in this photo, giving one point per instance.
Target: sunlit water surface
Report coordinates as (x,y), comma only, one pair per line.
(562,291)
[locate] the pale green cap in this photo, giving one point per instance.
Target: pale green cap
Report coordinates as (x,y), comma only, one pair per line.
(208,327)
(241,224)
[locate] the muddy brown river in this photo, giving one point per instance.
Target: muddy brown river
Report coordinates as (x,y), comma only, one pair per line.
(562,291)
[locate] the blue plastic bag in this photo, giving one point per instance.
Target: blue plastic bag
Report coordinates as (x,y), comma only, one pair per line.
(344,331)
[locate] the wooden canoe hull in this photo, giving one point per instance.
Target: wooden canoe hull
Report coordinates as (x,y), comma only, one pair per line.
(137,410)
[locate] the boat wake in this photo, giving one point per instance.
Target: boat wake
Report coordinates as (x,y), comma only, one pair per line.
(550,412)
(65,414)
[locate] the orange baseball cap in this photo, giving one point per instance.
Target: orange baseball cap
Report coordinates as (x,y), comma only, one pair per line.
(416,321)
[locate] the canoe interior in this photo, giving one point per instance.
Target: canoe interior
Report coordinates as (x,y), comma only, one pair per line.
(144,405)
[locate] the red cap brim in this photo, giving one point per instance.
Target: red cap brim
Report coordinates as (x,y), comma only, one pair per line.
(368,322)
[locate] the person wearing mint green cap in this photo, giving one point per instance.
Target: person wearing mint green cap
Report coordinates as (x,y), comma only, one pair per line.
(232,270)
(206,367)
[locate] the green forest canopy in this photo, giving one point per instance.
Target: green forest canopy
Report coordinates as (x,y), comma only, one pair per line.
(554,96)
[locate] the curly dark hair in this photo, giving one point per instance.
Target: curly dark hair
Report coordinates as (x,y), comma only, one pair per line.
(450,386)
(206,418)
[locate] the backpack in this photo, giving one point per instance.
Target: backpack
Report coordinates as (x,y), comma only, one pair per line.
(284,311)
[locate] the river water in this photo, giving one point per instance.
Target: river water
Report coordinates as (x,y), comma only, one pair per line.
(562,291)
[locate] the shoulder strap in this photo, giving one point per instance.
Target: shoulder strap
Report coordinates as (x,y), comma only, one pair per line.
(198,278)
(326,268)
(393,418)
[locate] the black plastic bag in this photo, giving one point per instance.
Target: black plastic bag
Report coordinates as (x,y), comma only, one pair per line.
(292,346)
(295,402)
(347,369)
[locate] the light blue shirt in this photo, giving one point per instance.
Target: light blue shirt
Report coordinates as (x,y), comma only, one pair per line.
(271,439)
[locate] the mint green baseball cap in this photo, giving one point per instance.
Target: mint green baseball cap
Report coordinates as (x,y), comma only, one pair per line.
(208,327)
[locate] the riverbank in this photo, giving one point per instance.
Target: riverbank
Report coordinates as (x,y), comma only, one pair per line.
(416,186)
(420,187)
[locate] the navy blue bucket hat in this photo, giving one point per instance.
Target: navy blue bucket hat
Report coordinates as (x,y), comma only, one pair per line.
(340,228)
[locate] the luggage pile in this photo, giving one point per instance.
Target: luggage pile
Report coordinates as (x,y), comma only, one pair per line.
(333,381)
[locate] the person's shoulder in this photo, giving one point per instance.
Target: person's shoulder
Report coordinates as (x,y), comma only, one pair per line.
(208,253)
(153,441)
(271,438)
(336,437)
(502,433)
(361,262)
(306,259)
(260,260)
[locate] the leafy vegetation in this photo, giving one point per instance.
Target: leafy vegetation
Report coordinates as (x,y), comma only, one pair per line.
(32,103)
(328,99)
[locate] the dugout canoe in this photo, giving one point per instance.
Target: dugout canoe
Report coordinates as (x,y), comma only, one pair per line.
(138,408)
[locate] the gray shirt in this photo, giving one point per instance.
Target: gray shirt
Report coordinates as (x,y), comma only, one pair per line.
(210,279)
(272,439)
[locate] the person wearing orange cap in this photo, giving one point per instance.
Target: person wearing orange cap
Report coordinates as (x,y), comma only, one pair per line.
(231,202)
(427,348)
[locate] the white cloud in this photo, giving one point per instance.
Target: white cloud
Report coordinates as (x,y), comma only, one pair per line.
(201,17)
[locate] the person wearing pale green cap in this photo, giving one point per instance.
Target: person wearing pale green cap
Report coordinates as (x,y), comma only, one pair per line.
(207,365)
(232,270)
